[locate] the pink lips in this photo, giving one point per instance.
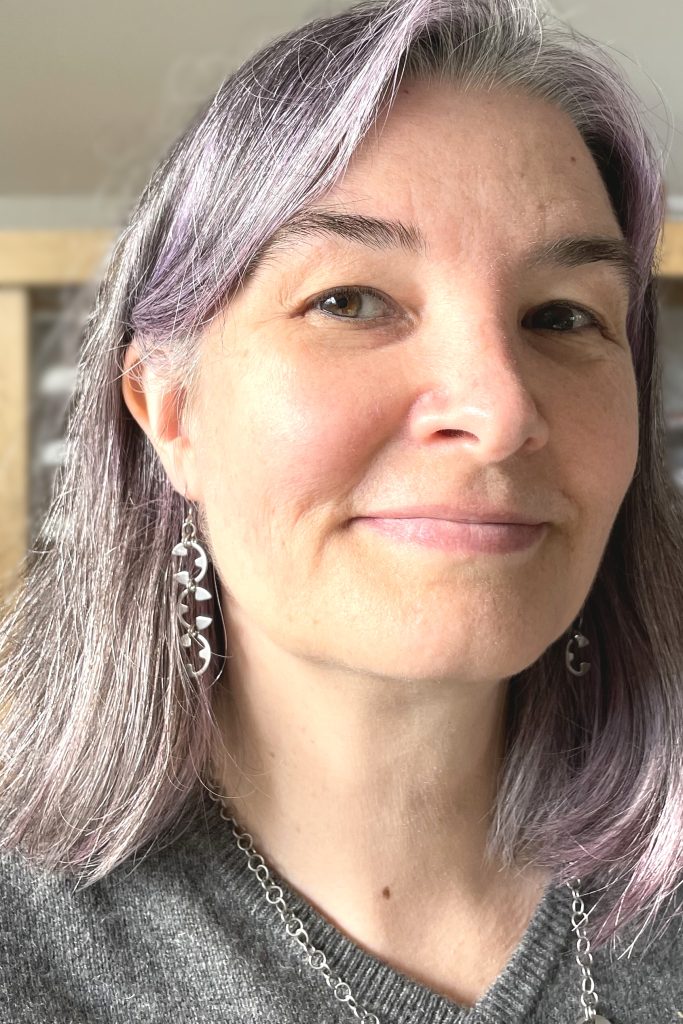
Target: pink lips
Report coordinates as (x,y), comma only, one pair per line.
(458,536)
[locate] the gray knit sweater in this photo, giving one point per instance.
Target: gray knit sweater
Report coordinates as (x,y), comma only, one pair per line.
(184,934)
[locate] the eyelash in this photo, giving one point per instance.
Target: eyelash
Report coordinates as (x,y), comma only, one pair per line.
(359,323)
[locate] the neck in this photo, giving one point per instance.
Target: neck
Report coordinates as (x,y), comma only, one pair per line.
(369,795)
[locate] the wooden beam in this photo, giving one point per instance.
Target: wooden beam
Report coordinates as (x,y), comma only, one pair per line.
(52,258)
(672,250)
(14,466)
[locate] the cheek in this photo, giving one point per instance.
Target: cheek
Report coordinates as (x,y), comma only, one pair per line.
(280,457)
(601,443)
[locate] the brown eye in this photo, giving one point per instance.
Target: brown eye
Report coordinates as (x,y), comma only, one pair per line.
(560,316)
(351,304)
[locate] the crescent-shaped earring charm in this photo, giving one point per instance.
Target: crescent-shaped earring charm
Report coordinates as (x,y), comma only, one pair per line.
(580,640)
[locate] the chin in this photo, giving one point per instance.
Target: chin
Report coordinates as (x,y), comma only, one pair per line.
(470,663)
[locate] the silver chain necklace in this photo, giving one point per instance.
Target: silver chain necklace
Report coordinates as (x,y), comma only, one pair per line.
(318,961)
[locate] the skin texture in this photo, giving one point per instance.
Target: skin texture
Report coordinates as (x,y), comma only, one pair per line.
(362,703)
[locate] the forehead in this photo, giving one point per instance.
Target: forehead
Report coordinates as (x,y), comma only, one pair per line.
(461,161)
(475,183)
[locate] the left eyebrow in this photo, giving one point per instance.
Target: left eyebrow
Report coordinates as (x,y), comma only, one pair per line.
(577,251)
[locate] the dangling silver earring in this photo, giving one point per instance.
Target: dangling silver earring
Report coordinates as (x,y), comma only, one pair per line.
(190,631)
(580,640)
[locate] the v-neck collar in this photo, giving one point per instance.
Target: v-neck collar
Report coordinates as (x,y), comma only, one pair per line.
(393,996)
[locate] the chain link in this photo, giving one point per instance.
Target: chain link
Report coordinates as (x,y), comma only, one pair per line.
(317,960)
(584,957)
(189,529)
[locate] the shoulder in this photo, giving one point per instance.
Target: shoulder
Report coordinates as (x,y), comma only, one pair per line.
(112,950)
(153,876)
(642,964)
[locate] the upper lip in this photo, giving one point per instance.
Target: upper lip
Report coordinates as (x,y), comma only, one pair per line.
(458,514)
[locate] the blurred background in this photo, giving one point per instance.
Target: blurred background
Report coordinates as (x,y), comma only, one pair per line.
(92,93)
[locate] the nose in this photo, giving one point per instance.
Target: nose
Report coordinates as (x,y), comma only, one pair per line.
(480,394)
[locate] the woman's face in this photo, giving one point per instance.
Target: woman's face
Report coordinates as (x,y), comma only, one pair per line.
(483,374)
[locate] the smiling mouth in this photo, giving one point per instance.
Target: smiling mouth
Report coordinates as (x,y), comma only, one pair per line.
(457,536)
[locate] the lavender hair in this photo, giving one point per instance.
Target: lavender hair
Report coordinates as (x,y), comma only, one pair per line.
(105,739)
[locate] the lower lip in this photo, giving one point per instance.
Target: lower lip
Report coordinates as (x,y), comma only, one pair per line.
(463,538)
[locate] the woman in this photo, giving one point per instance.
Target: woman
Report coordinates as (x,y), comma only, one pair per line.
(364,546)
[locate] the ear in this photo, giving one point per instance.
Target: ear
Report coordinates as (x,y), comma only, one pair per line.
(156,407)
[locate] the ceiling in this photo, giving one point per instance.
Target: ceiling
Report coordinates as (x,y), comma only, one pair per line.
(91,92)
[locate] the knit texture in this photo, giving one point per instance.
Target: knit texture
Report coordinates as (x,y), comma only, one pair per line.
(183,932)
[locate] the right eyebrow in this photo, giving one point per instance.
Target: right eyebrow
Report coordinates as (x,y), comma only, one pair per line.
(373,232)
